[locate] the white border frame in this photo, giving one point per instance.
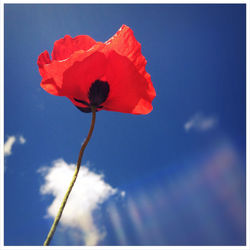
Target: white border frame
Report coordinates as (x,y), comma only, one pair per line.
(2,126)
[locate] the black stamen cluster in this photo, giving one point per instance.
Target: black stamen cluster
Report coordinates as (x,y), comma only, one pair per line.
(98,94)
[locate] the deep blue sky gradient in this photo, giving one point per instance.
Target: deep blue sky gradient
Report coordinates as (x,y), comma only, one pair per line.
(197,60)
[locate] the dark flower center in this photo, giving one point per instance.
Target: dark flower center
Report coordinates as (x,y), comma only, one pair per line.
(98,93)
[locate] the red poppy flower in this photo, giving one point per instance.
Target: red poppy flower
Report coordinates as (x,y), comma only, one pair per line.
(110,75)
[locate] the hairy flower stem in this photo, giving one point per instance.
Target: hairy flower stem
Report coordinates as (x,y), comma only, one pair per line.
(59,214)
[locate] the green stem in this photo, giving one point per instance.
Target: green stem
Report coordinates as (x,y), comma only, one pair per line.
(59,214)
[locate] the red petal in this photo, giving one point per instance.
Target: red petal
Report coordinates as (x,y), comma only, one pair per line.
(56,69)
(78,78)
(125,44)
(130,92)
(43,59)
(65,47)
(50,86)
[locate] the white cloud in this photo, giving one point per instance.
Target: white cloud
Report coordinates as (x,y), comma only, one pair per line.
(22,140)
(8,145)
(200,122)
(122,193)
(89,192)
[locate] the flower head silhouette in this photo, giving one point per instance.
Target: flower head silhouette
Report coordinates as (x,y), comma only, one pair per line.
(109,76)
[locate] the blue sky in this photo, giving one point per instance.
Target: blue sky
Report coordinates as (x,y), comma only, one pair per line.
(173,177)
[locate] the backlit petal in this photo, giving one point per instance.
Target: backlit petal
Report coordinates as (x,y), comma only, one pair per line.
(125,44)
(56,69)
(65,47)
(43,59)
(130,92)
(78,78)
(50,86)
